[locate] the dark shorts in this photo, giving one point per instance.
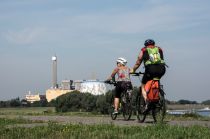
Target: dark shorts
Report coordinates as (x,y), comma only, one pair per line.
(122,86)
(153,71)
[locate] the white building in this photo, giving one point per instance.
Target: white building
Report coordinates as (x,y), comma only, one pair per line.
(32,98)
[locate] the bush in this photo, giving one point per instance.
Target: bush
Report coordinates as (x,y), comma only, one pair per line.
(86,102)
(15,102)
(76,101)
(182,101)
(103,103)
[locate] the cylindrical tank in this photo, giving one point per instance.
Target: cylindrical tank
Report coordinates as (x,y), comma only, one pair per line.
(94,87)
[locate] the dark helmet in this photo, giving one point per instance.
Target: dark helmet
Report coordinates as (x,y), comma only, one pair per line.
(149,42)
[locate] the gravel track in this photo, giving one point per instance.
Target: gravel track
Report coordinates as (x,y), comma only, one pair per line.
(101,120)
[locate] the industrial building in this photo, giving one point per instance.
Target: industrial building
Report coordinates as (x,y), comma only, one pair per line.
(56,91)
(95,87)
(33,98)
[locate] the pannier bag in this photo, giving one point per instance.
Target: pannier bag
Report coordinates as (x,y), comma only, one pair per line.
(152,90)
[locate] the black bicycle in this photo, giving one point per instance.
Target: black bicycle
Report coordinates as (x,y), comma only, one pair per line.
(156,108)
(125,104)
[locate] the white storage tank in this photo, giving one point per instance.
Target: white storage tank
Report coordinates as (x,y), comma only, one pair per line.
(94,87)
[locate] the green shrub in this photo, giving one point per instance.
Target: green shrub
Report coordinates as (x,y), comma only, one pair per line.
(76,101)
(86,102)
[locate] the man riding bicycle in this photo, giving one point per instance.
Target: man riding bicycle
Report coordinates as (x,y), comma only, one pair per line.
(153,59)
(123,80)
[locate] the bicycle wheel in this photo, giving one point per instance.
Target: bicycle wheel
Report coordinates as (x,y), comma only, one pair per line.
(159,111)
(140,103)
(127,105)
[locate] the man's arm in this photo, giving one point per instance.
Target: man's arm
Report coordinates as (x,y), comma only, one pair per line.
(161,53)
(138,61)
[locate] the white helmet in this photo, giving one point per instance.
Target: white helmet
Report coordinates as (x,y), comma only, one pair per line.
(121,60)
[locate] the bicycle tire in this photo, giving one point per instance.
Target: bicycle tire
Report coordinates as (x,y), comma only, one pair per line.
(140,103)
(127,105)
(159,111)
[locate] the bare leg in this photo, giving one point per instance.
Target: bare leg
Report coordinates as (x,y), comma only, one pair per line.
(144,94)
(116,103)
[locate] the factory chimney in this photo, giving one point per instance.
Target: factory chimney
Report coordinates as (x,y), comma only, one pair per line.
(54,72)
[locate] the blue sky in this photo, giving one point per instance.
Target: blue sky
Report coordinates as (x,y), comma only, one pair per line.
(88,36)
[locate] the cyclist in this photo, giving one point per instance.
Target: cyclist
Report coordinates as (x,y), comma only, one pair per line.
(153,59)
(122,80)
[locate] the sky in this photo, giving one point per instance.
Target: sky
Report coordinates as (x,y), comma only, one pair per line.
(87,36)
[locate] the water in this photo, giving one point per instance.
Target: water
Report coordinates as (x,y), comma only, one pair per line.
(181,112)
(204,113)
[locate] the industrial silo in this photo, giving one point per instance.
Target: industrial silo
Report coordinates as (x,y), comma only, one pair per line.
(94,87)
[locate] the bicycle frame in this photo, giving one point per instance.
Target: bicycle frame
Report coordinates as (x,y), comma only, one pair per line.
(125,100)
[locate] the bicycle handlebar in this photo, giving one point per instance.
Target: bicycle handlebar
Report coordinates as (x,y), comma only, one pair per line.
(137,73)
(110,82)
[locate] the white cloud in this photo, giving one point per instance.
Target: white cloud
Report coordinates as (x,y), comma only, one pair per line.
(24,36)
(159,18)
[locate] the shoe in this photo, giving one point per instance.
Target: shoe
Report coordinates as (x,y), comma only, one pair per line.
(115,112)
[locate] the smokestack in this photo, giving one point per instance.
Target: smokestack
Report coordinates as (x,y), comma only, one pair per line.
(54,72)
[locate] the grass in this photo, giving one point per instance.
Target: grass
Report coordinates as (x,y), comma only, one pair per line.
(27,111)
(104,131)
(8,121)
(35,111)
(5,121)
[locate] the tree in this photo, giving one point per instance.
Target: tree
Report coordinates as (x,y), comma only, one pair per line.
(15,102)
(68,102)
(206,102)
(3,104)
(25,103)
(182,101)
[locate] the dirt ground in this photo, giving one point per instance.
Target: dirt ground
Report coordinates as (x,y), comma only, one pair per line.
(102,120)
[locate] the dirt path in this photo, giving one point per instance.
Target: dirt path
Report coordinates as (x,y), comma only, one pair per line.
(102,120)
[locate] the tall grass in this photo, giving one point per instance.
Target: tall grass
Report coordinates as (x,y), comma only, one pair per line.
(8,121)
(103,131)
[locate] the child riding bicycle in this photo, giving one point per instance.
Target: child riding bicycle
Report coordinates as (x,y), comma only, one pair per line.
(122,80)
(152,56)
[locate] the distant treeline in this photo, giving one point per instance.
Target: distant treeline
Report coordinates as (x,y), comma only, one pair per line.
(76,101)
(17,102)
